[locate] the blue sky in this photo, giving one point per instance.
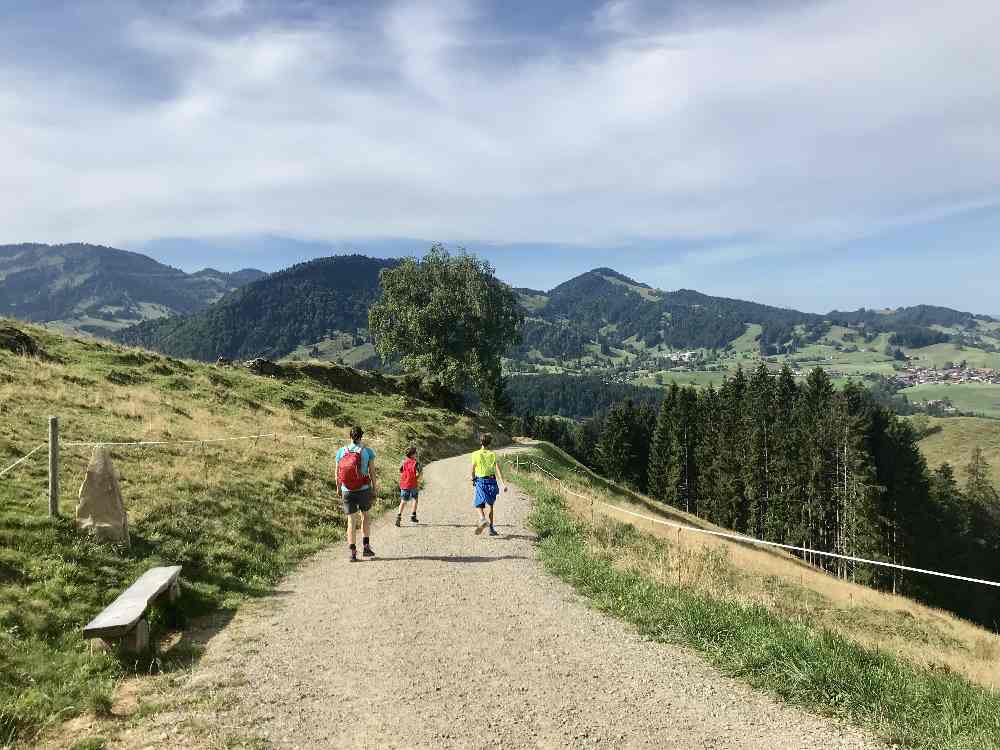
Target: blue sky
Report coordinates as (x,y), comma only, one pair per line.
(810,154)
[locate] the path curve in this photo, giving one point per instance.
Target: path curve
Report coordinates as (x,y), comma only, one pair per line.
(451,640)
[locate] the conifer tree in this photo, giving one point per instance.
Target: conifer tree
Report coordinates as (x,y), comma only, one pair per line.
(661,451)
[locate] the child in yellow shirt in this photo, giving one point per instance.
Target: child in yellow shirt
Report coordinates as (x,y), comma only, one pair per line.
(485,473)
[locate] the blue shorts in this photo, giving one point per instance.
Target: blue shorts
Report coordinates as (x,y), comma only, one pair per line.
(408,495)
(487,490)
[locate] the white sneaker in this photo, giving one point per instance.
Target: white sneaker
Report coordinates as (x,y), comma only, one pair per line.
(483,525)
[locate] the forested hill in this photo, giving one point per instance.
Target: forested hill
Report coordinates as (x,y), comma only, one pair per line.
(602,317)
(99,289)
(272,316)
(603,308)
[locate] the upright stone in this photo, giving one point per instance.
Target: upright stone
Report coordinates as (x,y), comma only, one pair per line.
(101,511)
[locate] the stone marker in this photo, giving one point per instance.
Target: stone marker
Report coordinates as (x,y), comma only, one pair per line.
(101,511)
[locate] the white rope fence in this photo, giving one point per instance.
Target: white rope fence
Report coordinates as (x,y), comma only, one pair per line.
(161,443)
(23,458)
(168,442)
(753,540)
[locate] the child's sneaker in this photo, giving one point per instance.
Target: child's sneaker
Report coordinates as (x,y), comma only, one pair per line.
(413,518)
(368,551)
(399,518)
(482,526)
(494,532)
(354,555)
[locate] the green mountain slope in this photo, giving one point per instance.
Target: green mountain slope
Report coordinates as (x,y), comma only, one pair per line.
(100,289)
(273,316)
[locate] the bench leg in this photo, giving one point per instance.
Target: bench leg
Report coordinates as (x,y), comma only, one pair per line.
(174,592)
(136,641)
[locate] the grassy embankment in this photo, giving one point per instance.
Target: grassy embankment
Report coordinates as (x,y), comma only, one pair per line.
(911,674)
(236,515)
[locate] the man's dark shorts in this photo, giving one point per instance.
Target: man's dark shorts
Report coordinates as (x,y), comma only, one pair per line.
(359,500)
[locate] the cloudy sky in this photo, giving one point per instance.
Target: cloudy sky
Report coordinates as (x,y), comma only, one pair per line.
(824,154)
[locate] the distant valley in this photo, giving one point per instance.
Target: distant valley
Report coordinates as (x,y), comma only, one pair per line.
(599,323)
(98,290)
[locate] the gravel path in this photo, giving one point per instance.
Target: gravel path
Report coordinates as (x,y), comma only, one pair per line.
(451,640)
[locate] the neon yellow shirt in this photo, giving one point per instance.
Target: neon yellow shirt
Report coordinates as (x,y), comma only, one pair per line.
(485,462)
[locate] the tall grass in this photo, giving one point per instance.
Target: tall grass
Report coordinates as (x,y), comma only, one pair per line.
(804,664)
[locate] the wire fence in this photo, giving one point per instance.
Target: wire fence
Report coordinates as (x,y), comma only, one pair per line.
(747,539)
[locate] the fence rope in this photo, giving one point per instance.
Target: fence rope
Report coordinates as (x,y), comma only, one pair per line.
(761,542)
(23,458)
(170,442)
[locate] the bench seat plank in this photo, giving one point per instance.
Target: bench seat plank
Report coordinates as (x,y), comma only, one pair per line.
(119,617)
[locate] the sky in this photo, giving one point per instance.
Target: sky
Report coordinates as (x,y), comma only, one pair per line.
(816,154)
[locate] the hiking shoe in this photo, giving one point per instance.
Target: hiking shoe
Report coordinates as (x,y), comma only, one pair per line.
(368,551)
(398,520)
(354,555)
(482,526)
(494,532)
(414,518)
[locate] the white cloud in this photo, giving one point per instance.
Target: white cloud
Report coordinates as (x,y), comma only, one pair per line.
(795,127)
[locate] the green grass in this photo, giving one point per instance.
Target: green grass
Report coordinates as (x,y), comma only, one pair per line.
(938,354)
(802,663)
(236,515)
(973,398)
(954,438)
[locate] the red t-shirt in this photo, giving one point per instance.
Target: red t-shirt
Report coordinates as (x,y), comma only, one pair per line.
(408,474)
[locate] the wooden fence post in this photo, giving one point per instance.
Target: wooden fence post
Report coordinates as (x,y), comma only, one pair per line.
(53,466)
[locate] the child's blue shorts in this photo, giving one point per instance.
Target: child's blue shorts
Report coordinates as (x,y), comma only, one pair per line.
(487,490)
(408,495)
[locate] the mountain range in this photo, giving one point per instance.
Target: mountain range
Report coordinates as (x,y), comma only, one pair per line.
(98,289)
(319,308)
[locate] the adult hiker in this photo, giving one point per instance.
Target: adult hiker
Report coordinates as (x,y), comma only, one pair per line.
(356,480)
(485,473)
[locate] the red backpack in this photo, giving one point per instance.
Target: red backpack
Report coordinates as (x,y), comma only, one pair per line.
(408,475)
(349,471)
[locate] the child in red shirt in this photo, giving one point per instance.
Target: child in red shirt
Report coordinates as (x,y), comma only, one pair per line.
(409,484)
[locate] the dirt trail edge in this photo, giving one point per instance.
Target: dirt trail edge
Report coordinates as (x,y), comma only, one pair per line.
(451,640)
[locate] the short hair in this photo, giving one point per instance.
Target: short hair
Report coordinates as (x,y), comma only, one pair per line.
(357,433)
(485,439)
(411,451)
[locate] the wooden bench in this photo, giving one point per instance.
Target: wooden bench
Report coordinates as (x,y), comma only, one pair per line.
(124,620)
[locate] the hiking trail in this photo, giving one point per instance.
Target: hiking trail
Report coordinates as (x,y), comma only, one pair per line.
(451,640)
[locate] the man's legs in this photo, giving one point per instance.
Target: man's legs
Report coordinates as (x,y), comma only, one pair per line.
(350,535)
(366,549)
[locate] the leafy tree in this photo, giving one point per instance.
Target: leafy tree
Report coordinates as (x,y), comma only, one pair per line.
(448,315)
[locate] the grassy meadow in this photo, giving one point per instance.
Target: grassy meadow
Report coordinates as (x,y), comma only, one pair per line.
(913,675)
(952,440)
(237,515)
(973,398)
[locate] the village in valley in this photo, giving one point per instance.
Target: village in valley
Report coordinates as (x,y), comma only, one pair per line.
(957,373)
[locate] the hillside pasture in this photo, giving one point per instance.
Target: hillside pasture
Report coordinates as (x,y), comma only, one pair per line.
(973,398)
(938,354)
(237,514)
(954,439)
